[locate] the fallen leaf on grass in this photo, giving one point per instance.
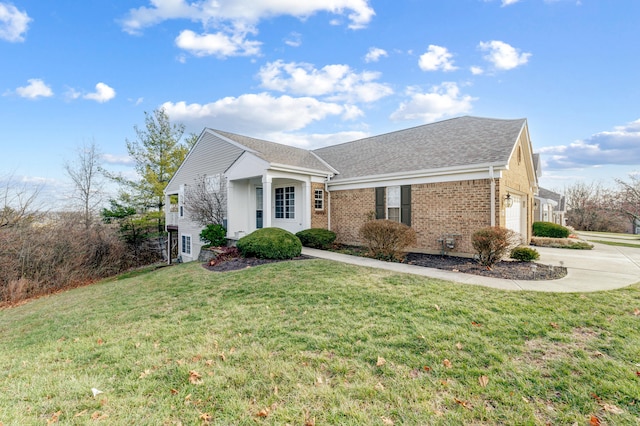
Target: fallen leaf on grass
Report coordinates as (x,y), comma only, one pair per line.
(205,417)
(96,392)
(437,307)
(263,413)
(379,387)
(447,363)
(638,373)
(208,362)
(98,416)
(145,373)
(594,421)
(80,414)
(484,381)
(459,346)
(426,368)
(381,361)
(54,418)
(222,357)
(194,377)
(99,341)
(636,312)
(476,324)
(465,404)
(554,325)
(174,391)
(386,421)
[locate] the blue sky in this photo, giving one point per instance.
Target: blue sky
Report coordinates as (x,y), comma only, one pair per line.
(316,72)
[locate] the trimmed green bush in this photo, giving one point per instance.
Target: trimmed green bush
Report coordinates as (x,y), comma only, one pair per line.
(493,243)
(270,243)
(549,229)
(316,238)
(214,235)
(387,239)
(525,254)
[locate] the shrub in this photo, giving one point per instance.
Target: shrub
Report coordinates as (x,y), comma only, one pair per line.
(214,235)
(387,239)
(270,243)
(549,229)
(525,254)
(493,243)
(316,238)
(568,243)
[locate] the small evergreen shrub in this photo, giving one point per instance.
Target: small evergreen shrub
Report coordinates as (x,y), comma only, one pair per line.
(214,235)
(387,239)
(270,243)
(549,229)
(493,243)
(525,254)
(316,238)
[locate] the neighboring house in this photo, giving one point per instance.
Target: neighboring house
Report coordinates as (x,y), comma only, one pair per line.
(445,179)
(549,206)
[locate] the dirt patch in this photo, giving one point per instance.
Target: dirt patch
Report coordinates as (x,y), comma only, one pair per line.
(511,270)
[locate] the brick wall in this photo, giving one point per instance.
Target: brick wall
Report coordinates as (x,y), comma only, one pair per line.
(437,209)
(458,208)
(349,210)
(319,218)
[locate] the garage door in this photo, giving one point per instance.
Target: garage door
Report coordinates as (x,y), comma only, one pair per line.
(512,214)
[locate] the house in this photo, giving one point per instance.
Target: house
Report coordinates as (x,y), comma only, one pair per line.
(445,179)
(549,206)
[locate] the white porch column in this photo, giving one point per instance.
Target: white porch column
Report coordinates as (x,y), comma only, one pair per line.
(306,205)
(229,204)
(266,201)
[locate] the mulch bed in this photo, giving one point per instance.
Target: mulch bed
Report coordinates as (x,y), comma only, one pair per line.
(511,270)
(238,263)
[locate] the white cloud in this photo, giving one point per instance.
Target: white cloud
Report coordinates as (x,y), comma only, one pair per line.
(475,70)
(336,82)
(103,93)
(621,146)
(442,101)
(256,113)
(210,12)
(35,89)
(436,58)
(509,2)
(13,23)
(502,55)
(374,54)
(113,159)
(218,44)
(294,39)
(313,140)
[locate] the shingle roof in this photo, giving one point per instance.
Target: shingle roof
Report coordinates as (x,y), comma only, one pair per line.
(278,153)
(462,141)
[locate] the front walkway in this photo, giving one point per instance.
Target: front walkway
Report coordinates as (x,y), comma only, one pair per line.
(603,268)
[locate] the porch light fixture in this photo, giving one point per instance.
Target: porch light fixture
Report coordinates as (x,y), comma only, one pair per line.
(508,201)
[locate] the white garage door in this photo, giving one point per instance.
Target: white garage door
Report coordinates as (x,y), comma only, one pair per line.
(512,214)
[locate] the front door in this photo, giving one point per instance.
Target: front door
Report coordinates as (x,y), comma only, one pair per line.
(258,207)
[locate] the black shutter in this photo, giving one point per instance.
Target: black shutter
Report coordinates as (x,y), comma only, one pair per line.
(380,214)
(405,204)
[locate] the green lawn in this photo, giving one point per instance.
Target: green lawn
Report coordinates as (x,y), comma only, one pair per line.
(616,243)
(316,342)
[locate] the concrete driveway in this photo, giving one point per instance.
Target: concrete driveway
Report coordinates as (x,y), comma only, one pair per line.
(603,268)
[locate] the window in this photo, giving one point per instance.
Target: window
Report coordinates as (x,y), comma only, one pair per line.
(186,244)
(318,199)
(393,203)
(213,183)
(285,203)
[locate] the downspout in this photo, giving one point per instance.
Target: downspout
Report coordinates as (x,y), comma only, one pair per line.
(493,196)
(326,189)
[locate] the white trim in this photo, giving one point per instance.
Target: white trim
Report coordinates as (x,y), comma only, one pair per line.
(413,178)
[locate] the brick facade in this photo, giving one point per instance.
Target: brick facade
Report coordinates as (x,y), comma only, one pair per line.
(349,211)
(319,218)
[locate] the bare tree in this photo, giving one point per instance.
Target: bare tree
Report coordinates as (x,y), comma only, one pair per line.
(18,202)
(591,207)
(629,199)
(87,180)
(206,200)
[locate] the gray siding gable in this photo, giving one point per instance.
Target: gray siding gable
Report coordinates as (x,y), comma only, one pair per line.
(210,155)
(458,142)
